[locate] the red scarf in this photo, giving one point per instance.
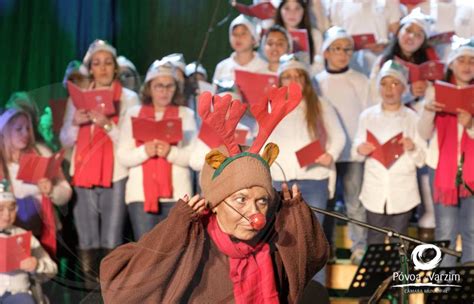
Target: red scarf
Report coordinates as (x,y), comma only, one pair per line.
(48,228)
(157,180)
(445,190)
(251,268)
(94,157)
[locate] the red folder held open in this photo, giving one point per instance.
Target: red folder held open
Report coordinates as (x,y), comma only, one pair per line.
(387,153)
(34,167)
(58,108)
(454,98)
(169,130)
(411,2)
(300,40)
(441,38)
(264,10)
(212,140)
(429,70)
(100,100)
(362,40)
(13,250)
(309,153)
(253,86)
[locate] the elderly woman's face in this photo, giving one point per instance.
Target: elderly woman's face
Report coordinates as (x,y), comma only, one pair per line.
(246,201)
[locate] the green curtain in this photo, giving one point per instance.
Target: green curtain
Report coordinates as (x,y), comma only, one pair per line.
(39,38)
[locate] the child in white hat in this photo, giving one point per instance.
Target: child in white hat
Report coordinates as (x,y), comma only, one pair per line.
(128,74)
(348,92)
(389,193)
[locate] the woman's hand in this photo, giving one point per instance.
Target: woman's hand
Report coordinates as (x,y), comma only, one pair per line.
(324,160)
(162,148)
(99,119)
(150,148)
(434,107)
(408,144)
(45,186)
(418,88)
(80,117)
(196,203)
(365,149)
(295,191)
(465,118)
(29,264)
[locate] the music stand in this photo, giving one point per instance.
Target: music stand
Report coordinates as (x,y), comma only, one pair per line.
(454,295)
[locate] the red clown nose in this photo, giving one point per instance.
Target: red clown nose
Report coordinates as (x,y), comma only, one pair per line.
(257,221)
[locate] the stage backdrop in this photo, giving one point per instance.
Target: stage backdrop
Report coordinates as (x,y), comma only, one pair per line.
(39,38)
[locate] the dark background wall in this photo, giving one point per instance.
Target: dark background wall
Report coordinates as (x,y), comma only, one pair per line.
(39,38)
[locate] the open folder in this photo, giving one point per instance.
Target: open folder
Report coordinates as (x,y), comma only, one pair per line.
(253,86)
(169,130)
(300,40)
(454,97)
(264,10)
(429,70)
(212,140)
(100,100)
(34,167)
(13,250)
(387,153)
(362,40)
(309,153)
(441,38)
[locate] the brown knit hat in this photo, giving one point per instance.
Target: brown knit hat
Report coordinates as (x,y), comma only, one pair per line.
(231,167)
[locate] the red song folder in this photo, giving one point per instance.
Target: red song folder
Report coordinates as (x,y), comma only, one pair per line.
(454,98)
(264,10)
(100,100)
(253,86)
(300,40)
(169,130)
(441,38)
(58,108)
(429,70)
(362,40)
(388,152)
(34,167)
(411,2)
(13,250)
(212,140)
(309,153)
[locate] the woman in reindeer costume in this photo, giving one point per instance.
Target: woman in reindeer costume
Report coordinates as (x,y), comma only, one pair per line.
(241,241)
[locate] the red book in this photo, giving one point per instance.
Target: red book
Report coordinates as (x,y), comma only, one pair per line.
(212,140)
(58,108)
(429,70)
(411,2)
(264,10)
(253,86)
(169,130)
(300,40)
(362,40)
(309,153)
(388,152)
(13,250)
(441,38)
(34,167)
(100,100)
(454,98)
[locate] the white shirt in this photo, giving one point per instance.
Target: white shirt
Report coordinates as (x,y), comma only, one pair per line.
(18,281)
(226,68)
(69,132)
(132,157)
(394,189)
(348,93)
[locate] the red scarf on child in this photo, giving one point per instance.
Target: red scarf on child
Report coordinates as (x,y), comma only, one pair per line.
(251,268)
(157,179)
(48,228)
(445,189)
(94,156)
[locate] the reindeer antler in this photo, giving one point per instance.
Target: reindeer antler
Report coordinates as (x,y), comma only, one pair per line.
(224,118)
(280,107)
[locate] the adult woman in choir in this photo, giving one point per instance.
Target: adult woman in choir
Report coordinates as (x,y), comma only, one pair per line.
(275,43)
(98,178)
(159,172)
(35,210)
(241,242)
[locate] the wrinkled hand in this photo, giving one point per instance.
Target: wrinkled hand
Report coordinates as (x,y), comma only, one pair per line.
(434,107)
(196,203)
(365,149)
(408,144)
(324,160)
(295,191)
(80,117)
(45,186)
(418,88)
(465,118)
(29,264)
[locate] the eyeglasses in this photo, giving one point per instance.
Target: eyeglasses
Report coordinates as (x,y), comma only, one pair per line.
(9,208)
(340,50)
(162,87)
(292,78)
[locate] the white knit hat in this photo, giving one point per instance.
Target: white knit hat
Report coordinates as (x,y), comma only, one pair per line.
(191,69)
(394,69)
(291,61)
(125,63)
(98,45)
(160,68)
(332,34)
(460,47)
(5,193)
(422,20)
(8,115)
(177,60)
(243,20)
